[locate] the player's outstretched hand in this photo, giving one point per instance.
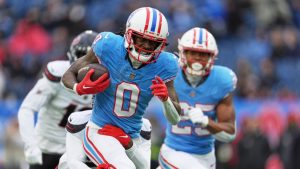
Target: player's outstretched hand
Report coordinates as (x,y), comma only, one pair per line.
(159,89)
(117,133)
(33,155)
(87,86)
(197,117)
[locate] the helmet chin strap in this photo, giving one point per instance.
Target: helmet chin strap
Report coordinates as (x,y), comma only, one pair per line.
(135,63)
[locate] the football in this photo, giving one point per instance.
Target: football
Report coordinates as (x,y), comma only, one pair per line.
(99,71)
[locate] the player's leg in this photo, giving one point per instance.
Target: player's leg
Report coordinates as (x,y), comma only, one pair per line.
(170,158)
(74,156)
(50,161)
(140,153)
(207,160)
(105,149)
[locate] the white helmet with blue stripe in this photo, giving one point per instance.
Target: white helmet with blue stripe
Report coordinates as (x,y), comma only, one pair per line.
(199,40)
(150,24)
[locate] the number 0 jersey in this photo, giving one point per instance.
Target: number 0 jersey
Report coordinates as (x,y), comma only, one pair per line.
(185,136)
(54,104)
(124,102)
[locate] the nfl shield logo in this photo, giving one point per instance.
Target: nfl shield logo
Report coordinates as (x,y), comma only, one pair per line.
(192,94)
(131,76)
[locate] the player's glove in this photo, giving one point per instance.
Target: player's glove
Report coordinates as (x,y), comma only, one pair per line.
(33,155)
(159,89)
(197,117)
(118,134)
(87,86)
(105,166)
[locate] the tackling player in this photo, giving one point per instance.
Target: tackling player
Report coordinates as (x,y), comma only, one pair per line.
(138,70)
(45,142)
(205,95)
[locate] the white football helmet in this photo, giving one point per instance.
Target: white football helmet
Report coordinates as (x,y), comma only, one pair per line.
(150,24)
(199,40)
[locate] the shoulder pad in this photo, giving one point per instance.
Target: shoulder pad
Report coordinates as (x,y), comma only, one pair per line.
(78,120)
(54,70)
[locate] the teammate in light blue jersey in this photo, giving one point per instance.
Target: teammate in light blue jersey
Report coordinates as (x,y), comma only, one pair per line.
(138,70)
(205,95)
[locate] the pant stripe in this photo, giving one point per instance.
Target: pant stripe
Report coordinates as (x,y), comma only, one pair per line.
(89,149)
(165,164)
(92,158)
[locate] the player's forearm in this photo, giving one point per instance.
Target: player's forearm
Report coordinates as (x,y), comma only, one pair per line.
(26,126)
(171,112)
(224,132)
(69,79)
(215,127)
(137,156)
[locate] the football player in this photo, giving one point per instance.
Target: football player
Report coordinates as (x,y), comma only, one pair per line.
(205,95)
(75,158)
(45,141)
(138,70)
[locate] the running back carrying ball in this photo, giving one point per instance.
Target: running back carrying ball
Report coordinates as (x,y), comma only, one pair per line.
(99,71)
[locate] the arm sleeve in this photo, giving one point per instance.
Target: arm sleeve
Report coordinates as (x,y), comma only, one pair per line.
(35,99)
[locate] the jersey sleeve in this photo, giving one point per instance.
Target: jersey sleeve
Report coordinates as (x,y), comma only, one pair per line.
(99,44)
(228,82)
(40,94)
(171,68)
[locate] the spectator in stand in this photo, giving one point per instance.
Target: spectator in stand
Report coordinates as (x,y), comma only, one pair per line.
(289,145)
(253,148)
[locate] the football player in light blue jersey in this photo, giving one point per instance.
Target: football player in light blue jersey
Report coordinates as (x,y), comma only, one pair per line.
(138,70)
(205,95)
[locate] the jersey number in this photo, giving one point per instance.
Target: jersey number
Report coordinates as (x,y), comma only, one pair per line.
(188,129)
(69,110)
(124,107)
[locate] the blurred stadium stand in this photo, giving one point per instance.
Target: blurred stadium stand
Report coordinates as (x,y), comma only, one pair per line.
(258,39)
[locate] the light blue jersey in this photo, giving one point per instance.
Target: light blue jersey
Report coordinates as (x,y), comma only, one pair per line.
(185,136)
(124,102)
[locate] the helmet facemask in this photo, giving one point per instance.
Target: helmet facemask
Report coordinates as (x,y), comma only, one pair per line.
(137,51)
(76,52)
(196,65)
(80,45)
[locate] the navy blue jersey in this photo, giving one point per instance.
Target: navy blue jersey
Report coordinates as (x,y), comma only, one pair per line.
(185,136)
(124,102)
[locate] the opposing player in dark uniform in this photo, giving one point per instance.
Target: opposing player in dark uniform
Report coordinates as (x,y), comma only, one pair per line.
(45,142)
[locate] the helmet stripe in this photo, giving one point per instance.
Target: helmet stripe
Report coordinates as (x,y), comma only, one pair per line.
(154,18)
(147,19)
(200,35)
(160,23)
(206,39)
(194,36)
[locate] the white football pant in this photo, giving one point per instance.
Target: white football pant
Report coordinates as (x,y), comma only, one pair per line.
(170,158)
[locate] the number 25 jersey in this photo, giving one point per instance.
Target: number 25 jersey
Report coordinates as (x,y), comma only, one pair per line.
(185,136)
